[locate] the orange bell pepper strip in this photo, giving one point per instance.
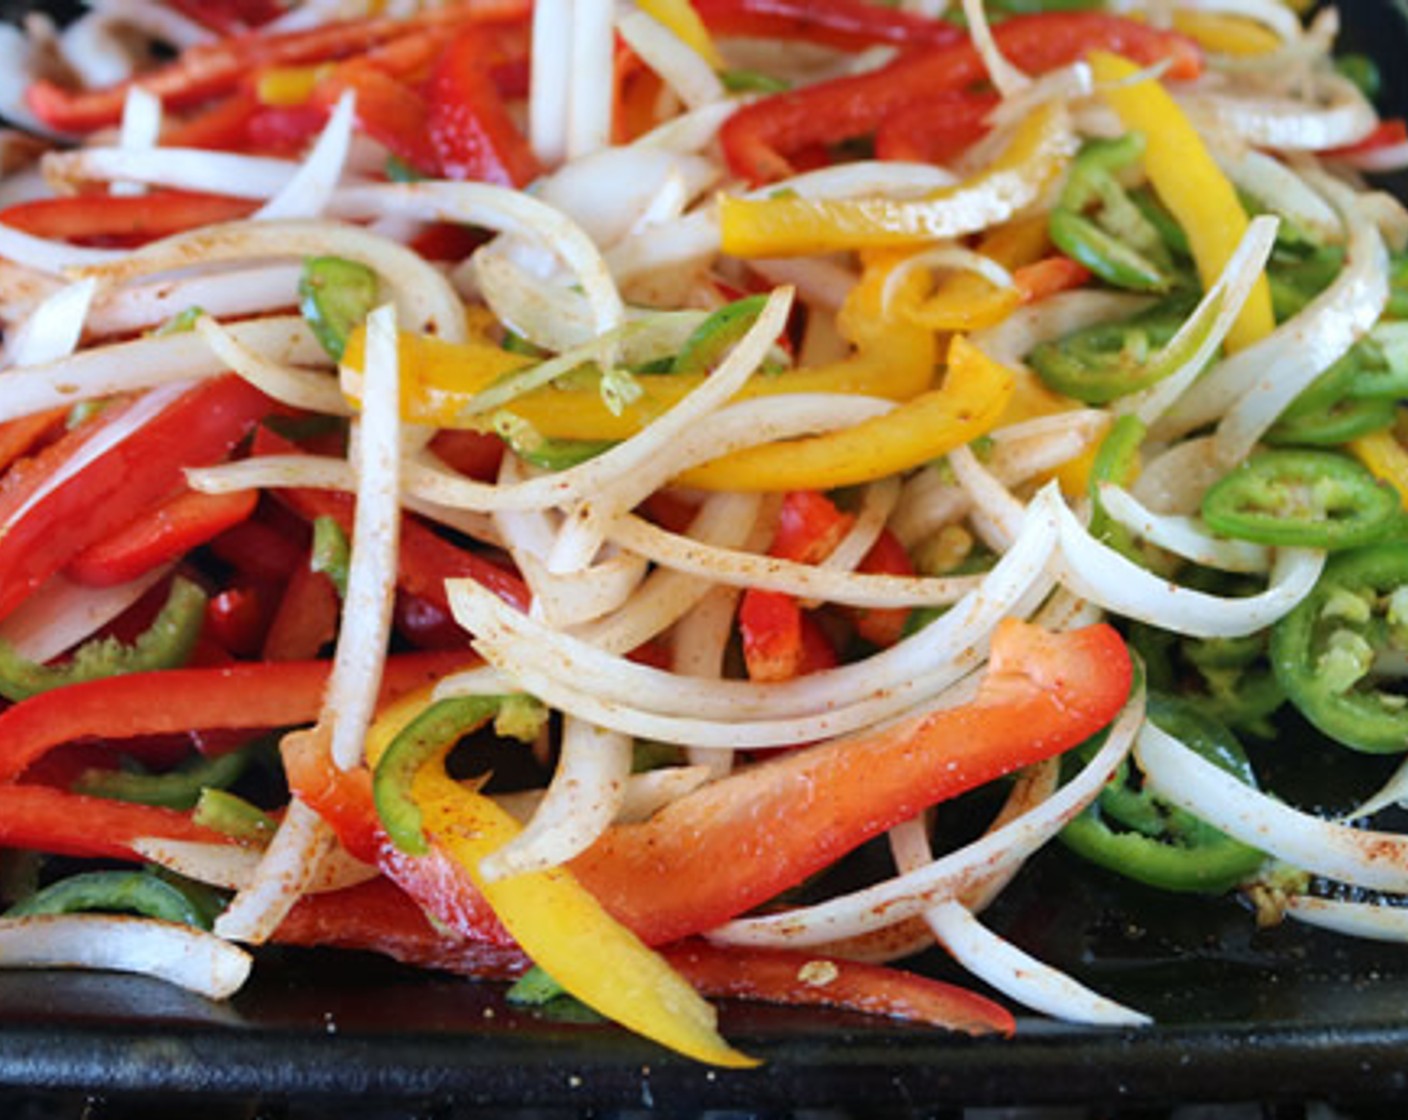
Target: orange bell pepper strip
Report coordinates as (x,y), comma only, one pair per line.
(787,224)
(967,404)
(1386,459)
(1188,181)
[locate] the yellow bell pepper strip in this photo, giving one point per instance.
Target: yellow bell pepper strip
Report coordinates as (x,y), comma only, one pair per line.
(1226,34)
(681,18)
(1188,181)
(561,927)
(970,401)
(787,225)
(892,359)
(1386,459)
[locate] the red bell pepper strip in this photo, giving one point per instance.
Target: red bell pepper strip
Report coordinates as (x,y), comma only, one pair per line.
(44,819)
(237,618)
(782,976)
(229,17)
(883,626)
(388,110)
(261,549)
(160,535)
(44,524)
(473,454)
(935,131)
(250,695)
(759,138)
(129,219)
(207,71)
(306,618)
(738,842)
(777,637)
(1385,134)
(847,24)
(470,127)
(379,917)
(1046,277)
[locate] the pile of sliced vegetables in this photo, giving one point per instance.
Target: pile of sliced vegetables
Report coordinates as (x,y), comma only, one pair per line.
(523,487)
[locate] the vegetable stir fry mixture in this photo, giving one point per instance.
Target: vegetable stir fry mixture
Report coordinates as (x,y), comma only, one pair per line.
(524,487)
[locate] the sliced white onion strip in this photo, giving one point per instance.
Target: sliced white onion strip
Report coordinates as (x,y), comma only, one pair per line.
(290,862)
(1361,857)
(1297,351)
(1183,360)
(301,388)
(49,256)
(551,65)
(910,894)
(742,569)
(996,514)
(140,129)
(147,363)
(189,958)
(646,793)
(1370,920)
(231,294)
(355,677)
(1267,179)
(1182,535)
(307,193)
(583,594)
(585,795)
(271,472)
(53,329)
(1106,577)
(191,169)
(498,208)
(1321,334)
(609,691)
(591,43)
(683,69)
(1005,77)
(1286,124)
(61,613)
(233,867)
(425,301)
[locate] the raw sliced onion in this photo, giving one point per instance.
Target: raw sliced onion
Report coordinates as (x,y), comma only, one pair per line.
(355,678)
(308,192)
(551,63)
(1374,921)
(1005,77)
(233,866)
(681,67)
(913,892)
(1104,576)
(1183,536)
(61,613)
(297,387)
(53,329)
(1175,480)
(140,130)
(995,513)
(1271,182)
(585,795)
(188,169)
(591,46)
(1286,124)
(290,862)
(1361,857)
(231,294)
(53,257)
(182,955)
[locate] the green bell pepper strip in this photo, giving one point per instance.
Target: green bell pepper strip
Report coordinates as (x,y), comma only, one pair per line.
(332,553)
(175,789)
(166,644)
(420,740)
(1097,224)
(227,813)
(128,892)
(1156,843)
(1102,363)
(1325,649)
(335,296)
(709,342)
(1117,461)
(1307,499)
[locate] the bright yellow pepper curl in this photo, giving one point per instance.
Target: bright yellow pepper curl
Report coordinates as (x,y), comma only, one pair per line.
(1188,181)
(786,224)
(892,359)
(554,919)
(970,401)
(1386,459)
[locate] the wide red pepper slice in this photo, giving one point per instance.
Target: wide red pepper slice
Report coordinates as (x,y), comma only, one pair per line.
(254,695)
(124,219)
(40,818)
(50,512)
(759,138)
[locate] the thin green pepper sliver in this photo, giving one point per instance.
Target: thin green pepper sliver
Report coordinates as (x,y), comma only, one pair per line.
(166,644)
(175,789)
(1307,499)
(711,340)
(1134,833)
(127,892)
(1324,651)
(335,296)
(434,730)
(225,812)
